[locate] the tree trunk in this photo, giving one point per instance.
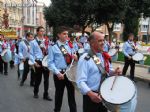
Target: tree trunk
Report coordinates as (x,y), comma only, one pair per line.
(110,30)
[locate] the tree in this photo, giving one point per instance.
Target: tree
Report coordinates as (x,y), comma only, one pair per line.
(68,13)
(110,12)
(133,14)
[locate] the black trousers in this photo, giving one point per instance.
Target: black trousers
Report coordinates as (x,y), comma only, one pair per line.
(3,66)
(60,86)
(126,65)
(38,78)
(26,71)
(90,106)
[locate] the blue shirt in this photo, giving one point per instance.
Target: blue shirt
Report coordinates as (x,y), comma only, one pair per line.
(83,39)
(75,47)
(86,47)
(106,46)
(88,76)
(56,60)
(127,48)
(23,51)
(35,51)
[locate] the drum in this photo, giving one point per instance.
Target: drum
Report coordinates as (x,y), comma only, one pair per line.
(138,56)
(45,61)
(119,94)
(112,52)
(81,51)
(71,74)
(21,66)
(6,55)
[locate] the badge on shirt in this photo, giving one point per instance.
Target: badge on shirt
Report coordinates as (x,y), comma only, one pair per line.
(63,50)
(96,60)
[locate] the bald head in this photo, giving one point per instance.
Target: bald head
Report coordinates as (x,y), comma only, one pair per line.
(96,40)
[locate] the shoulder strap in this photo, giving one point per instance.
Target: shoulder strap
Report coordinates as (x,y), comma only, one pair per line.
(133,47)
(27,44)
(66,55)
(99,66)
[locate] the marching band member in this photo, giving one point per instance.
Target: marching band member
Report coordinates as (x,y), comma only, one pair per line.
(3,65)
(90,75)
(37,52)
(59,56)
(128,51)
(17,60)
(24,54)
(13,50)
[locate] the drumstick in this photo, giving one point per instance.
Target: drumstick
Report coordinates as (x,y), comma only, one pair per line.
(114,82)
(115,79)
(69,67)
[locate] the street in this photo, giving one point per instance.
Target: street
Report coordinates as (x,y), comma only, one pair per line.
(14,98)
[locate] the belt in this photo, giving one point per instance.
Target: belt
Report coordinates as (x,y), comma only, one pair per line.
(62,70)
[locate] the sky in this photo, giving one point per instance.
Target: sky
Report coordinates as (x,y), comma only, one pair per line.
(47,2)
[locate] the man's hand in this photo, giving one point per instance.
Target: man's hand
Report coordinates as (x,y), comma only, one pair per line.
(118,71)
(94,97)
(37,65)
(60,76)
(129,57)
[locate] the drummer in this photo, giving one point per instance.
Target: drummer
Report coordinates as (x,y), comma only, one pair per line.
(37,52)
(3,46)
(24,54)
(128,51)
(59,58)
(89,76)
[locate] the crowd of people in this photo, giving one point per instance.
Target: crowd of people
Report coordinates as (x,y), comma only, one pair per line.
(28,52)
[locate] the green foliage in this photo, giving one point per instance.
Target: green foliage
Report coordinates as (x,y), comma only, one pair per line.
(134,11)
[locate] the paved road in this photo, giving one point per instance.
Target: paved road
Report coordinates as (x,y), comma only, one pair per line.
(14,98)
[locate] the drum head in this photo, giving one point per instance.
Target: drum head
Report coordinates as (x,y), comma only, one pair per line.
(71,72)
(44,62)
(4,52)
(112,52)
(138,57)
(122,92)
(7,57)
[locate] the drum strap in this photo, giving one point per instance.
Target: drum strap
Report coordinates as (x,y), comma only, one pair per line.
(27,44)
(66,55)
(133,47)
(42,49)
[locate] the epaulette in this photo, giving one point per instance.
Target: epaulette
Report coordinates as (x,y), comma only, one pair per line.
(87,57)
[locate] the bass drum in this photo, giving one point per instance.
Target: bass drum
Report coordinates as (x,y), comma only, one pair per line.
(6,55)
(121,97)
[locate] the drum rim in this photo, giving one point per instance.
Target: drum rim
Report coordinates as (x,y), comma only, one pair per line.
(126,101)
(114,53)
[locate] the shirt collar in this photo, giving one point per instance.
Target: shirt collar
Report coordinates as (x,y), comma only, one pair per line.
(60,43)
(40,39)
